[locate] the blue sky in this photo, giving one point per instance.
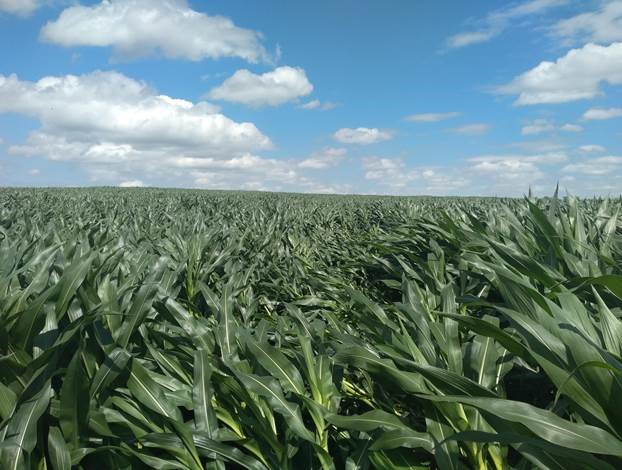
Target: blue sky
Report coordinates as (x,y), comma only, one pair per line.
(401,97)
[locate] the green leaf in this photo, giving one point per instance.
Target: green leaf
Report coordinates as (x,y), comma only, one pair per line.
(275,362)
(202,393)
(8,400)
(149,393)
(110,369)
(270,389)
(141,305)
(22,429)
(544,424)
(74,401)
(367,421)
(59,452)
(403,438)
(208,447)
(70,281)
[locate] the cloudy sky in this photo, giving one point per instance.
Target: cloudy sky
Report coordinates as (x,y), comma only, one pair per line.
(338,96)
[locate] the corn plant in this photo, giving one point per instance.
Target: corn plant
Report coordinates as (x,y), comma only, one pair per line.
(178,329)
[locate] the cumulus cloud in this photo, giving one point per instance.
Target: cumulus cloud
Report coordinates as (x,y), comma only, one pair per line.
(499,20)
(503,175)
(120,131)
(431,117)
(442,181)
(254,173)
(389,171)
(394,176)
(325,158)
(596,166)
(540,126)
(362,135)
(571,128)
(506,171)
(472,129)
(592,148)
(539,146)
(575,76)
(123,112)
(138,28)
(320,188)
(273,88)
(546,158)
(313,104)
(321,105)
(471,37)
(600,114)
(602,26)
(247,172)
(132,184)
(19,7)
(111,124)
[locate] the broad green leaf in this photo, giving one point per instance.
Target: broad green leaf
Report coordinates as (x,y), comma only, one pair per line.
(22,429)
(202,393)
(59,452)
(271,390)
(109,370)
(545,424)
(367,421)
(149,393)
(275,362)
(74,401)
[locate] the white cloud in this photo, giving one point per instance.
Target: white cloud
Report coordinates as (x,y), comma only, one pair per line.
(394,174)
(252,172)
(598,114)
(132,184)
(34,172)
(571,128)
(575,76)
(545,158)
(499,20)
(472,129)
(442,181)
(116,127)
(273,88)
(601,26)
(330,188)
(597,166)
(118,130)
(362,135)
(388,171)
(313,104)
(321,105)
(137,28)
(431,117)
(505,172)
(539,146)
(326,158)
(592,148)
(19,7)
(469,38)
(502,175)
(538,127)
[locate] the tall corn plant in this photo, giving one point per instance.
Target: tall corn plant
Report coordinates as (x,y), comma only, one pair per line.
(188,329)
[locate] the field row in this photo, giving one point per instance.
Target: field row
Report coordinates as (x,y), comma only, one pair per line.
(187,329)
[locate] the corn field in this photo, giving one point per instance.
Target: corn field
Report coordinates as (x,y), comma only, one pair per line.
(176,329)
